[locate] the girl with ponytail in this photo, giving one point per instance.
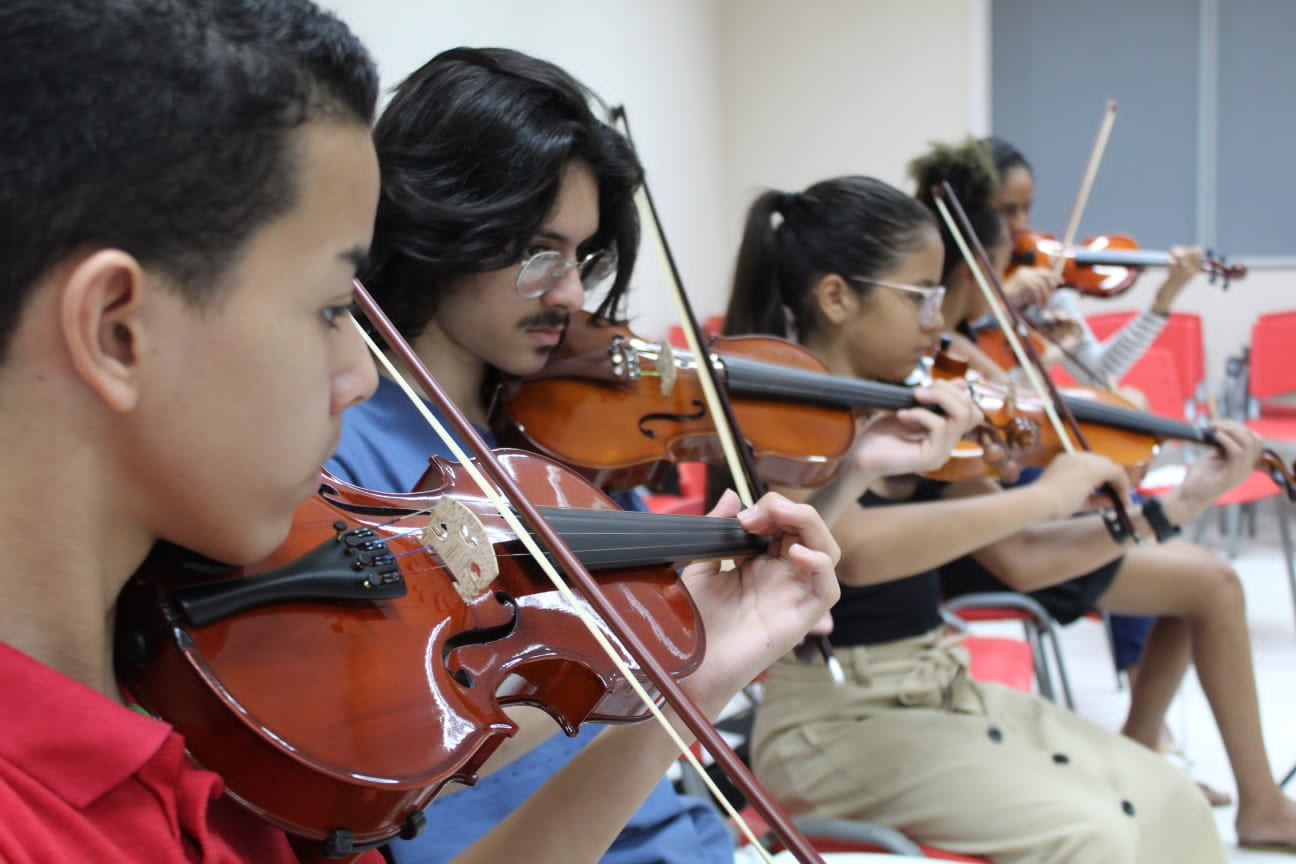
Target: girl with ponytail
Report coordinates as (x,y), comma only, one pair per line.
(857,272)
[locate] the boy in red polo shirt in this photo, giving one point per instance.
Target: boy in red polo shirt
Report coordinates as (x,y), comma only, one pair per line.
(186,191)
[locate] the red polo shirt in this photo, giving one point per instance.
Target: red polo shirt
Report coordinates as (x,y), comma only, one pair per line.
(83,778)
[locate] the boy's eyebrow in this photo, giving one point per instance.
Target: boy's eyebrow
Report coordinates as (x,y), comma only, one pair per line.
(555,236)
(357,257)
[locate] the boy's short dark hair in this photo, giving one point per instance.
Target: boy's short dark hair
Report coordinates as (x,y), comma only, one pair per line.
(160,127)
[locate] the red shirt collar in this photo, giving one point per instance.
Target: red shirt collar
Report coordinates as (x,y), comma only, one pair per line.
(75,741)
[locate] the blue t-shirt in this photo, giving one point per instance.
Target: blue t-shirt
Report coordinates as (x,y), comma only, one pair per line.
(386,445)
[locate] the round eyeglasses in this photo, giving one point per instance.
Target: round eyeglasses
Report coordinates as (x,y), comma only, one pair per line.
(542,271)
(929,309)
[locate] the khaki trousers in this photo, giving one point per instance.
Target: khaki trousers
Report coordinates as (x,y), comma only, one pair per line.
(910,741)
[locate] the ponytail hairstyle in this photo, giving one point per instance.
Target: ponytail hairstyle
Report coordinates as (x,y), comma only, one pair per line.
(968,168)
(1005,156)
(852,226)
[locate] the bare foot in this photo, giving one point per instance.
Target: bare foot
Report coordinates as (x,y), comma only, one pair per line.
(1215,797)
(1272,825)
(1166,743)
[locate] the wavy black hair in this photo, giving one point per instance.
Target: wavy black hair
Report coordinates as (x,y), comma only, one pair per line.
(472,149)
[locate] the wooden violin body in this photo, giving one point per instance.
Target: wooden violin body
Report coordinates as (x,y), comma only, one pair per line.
(1106,265)
(338,684)
(1045,326)
(619,408)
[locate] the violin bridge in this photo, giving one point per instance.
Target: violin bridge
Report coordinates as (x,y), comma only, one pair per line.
(459,539)
(666,367)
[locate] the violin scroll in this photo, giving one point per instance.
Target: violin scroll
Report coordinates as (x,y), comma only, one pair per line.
(1278,471)
(1218,268)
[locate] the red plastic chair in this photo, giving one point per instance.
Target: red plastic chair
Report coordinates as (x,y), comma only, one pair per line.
(692,483)
(1271,374)
(1183,343)
(711,326)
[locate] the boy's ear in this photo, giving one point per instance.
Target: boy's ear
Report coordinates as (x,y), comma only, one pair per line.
(101,324)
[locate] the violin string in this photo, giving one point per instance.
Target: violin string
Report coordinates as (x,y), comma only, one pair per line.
(737,457)
(1119,524)
(1009,331)
(615,653)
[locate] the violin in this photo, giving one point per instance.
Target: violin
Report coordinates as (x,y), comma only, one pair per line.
(619,408)
(337,685)
(1126,435)
(616,407)
(1106,265)
(1046,326)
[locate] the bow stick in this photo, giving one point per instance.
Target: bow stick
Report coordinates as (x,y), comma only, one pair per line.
(983,271)
(504,493)
(737,451)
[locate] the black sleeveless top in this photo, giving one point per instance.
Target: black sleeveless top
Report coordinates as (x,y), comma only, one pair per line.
(887,611)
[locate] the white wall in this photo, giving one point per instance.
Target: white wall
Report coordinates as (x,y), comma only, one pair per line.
(727,97)
(835,87)
(656,58)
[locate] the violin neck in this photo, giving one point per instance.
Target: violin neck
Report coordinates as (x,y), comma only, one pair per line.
(1122,257)
(610,539)
(1128,419)
(753,378)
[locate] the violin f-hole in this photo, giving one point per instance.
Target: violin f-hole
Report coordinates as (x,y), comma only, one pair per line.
(479,636)
(665,417)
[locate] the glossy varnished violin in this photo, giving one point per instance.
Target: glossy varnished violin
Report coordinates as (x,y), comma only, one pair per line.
(1122,433)
(618,408)
(338,684)
(1046,326)
(1106,265)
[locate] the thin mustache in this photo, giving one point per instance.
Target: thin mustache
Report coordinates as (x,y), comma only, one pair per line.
(548,320)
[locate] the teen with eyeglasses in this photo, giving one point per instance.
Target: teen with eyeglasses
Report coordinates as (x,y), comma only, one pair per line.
(911,741)
(187,190)
(1193,596)
(503,200)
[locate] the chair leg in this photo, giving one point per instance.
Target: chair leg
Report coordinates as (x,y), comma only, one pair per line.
(1043,678)
(1111,647)
(1202,523)
(1049,630)
(1233,517)
(1284,532)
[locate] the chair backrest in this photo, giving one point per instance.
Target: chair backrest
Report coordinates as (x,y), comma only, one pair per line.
(711,326)
(1182,343)
(1273,350)
(1156,376)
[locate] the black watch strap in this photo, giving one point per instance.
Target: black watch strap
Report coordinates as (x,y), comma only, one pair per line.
(1154,513)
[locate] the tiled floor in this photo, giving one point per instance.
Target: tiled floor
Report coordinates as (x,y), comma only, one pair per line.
(1269,603)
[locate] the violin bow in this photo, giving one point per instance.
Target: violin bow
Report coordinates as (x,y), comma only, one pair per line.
(1073,224)
(1086,186)
(742,465)
(737,451)
(504,493)
(1068,239)
(1060,416)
